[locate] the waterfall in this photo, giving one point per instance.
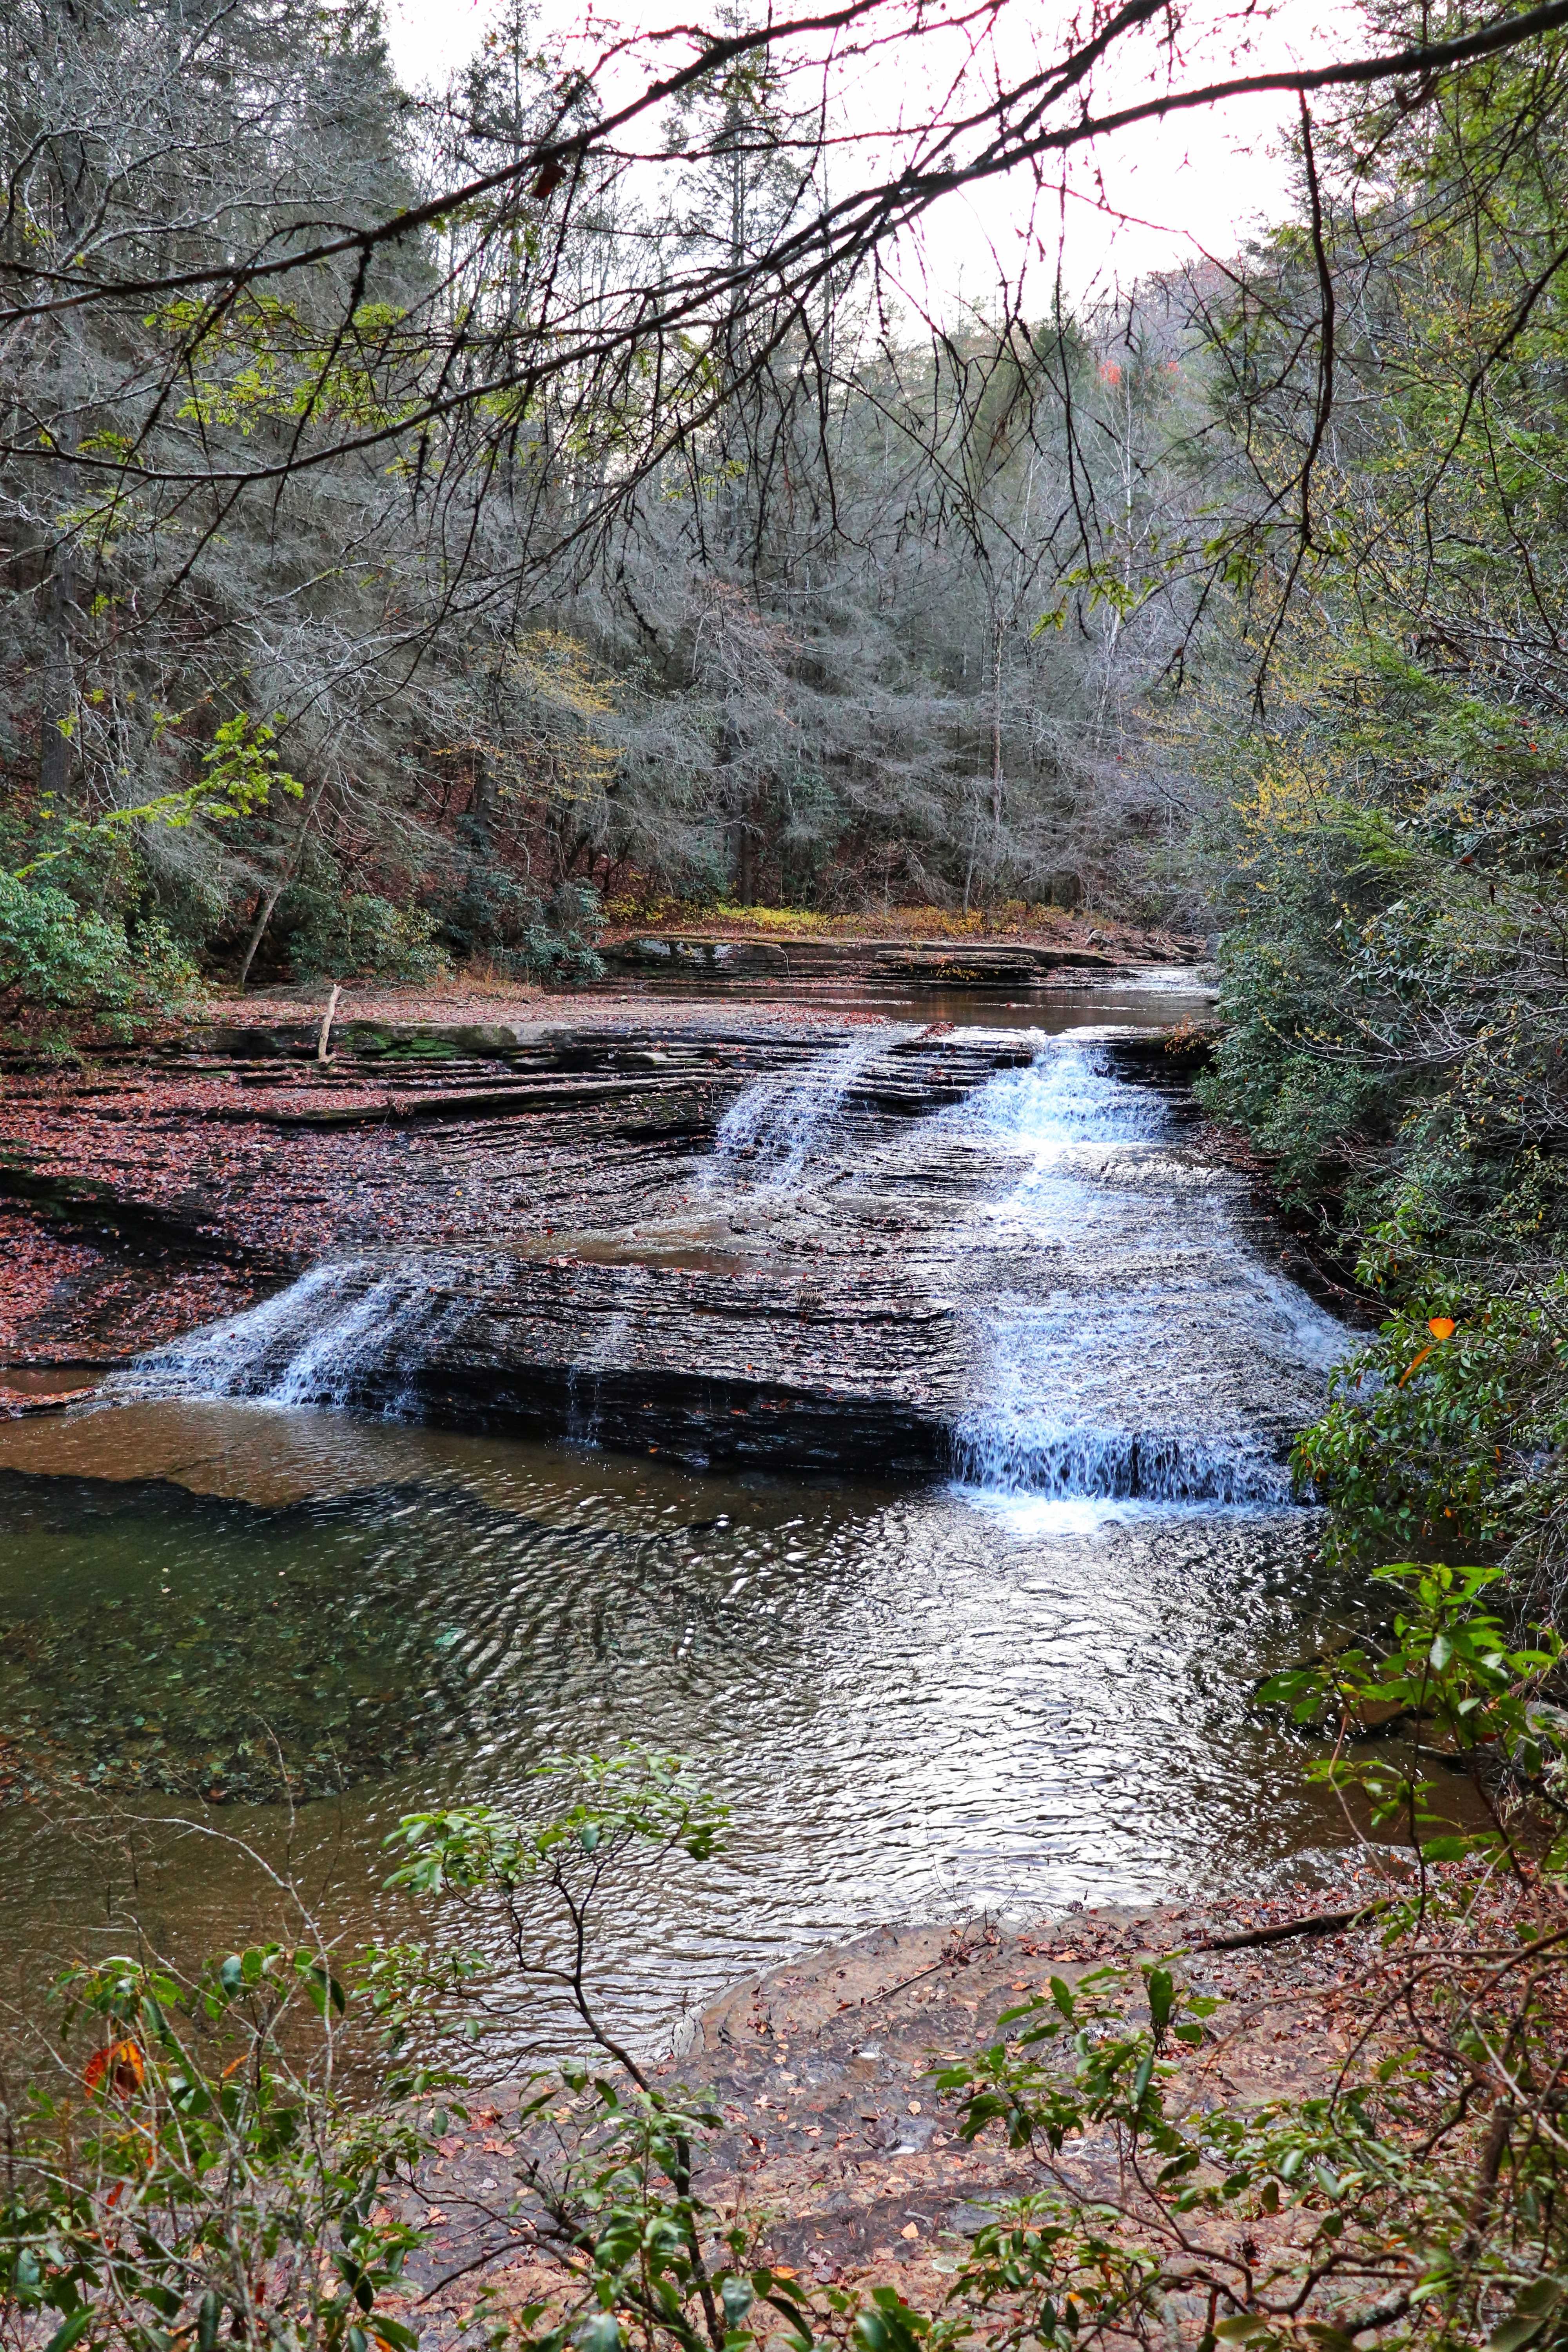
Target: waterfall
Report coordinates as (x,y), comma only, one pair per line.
(1130,1342)
(792,1119)
(1109,1329)
(348,1333)
(1066,1097)
(1028,1454)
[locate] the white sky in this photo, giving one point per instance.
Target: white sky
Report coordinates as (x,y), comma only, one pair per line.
(1200,183)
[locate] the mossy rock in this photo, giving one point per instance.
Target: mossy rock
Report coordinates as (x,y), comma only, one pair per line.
(422,1045)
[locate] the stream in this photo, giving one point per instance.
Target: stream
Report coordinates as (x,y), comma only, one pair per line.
(1018,1680)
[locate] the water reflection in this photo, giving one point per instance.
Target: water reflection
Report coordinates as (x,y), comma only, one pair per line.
(916,1707)
(921,1701)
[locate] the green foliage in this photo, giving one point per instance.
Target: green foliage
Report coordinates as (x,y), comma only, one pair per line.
(1112,2075)
(192,2184)
(1450,1444)
(1392,1027)
(631,1797)
(494,915)
(354,934)
(82,928)
(56,956)
(239,771)
(1393,1013)
(633,2231)
(1388,836)
(1301,1107)
(1469,1699)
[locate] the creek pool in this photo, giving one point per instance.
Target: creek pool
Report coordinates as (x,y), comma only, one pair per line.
(254,1632)
(920,1705)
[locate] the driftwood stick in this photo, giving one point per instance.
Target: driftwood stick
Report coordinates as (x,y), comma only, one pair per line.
(1318,1923)
(322,1052)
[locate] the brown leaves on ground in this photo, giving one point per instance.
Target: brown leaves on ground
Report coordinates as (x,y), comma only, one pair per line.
(836,2146)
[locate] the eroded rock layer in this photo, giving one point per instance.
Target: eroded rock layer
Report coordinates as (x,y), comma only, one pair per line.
(865,1246)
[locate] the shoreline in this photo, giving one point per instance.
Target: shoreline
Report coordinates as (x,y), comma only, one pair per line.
(835,2144)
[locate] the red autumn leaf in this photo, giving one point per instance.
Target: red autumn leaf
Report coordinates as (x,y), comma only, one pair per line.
(121,2062)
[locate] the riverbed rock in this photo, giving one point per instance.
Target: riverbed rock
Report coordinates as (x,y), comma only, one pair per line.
(543,1227)
(173,1191)
(832,2135)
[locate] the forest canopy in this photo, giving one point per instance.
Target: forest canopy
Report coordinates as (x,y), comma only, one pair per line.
(426,516)
(767,630)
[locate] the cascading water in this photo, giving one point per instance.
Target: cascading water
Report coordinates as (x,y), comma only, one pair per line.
(356,1332)
(1003,1695)
(782,1125)
(348,1333)
(1126,1339)
(1130,1342)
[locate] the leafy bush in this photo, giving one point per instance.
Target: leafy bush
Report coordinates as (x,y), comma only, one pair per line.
(354,934)
(194,2182)
(495,916)
(56,956)
(1450,1433)
(1393,1040)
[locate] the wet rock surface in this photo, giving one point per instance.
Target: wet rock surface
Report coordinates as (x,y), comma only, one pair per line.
(521,1220)
(160,1192)
(803,960)
(837,2147)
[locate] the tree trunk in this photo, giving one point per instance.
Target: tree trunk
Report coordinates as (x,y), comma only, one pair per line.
(996,780)
(60,681)
(285,873)
(321,1053)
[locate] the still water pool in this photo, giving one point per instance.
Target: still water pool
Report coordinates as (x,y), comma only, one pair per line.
(919,1704)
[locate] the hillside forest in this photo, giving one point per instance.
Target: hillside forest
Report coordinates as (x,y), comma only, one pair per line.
(334,647)
(1235,602)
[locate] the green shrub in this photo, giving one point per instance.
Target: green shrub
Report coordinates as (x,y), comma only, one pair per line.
(56,956)
(195,2171)
(354,934)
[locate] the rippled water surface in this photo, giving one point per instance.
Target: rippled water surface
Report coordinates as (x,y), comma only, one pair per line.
(1026,1685)
(917,1704)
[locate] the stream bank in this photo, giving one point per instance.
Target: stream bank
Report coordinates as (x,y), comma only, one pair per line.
(835,2144)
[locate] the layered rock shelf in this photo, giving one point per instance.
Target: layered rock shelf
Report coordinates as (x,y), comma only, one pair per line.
(517,1226)
(800,963)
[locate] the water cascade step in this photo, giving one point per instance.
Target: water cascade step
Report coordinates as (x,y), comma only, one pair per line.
(902,1251)
(780,1125)
(1134,1340)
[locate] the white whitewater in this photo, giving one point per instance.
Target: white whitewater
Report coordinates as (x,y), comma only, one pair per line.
(347,1333)
(1131,1340)
(354,1331)
(785,1128)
